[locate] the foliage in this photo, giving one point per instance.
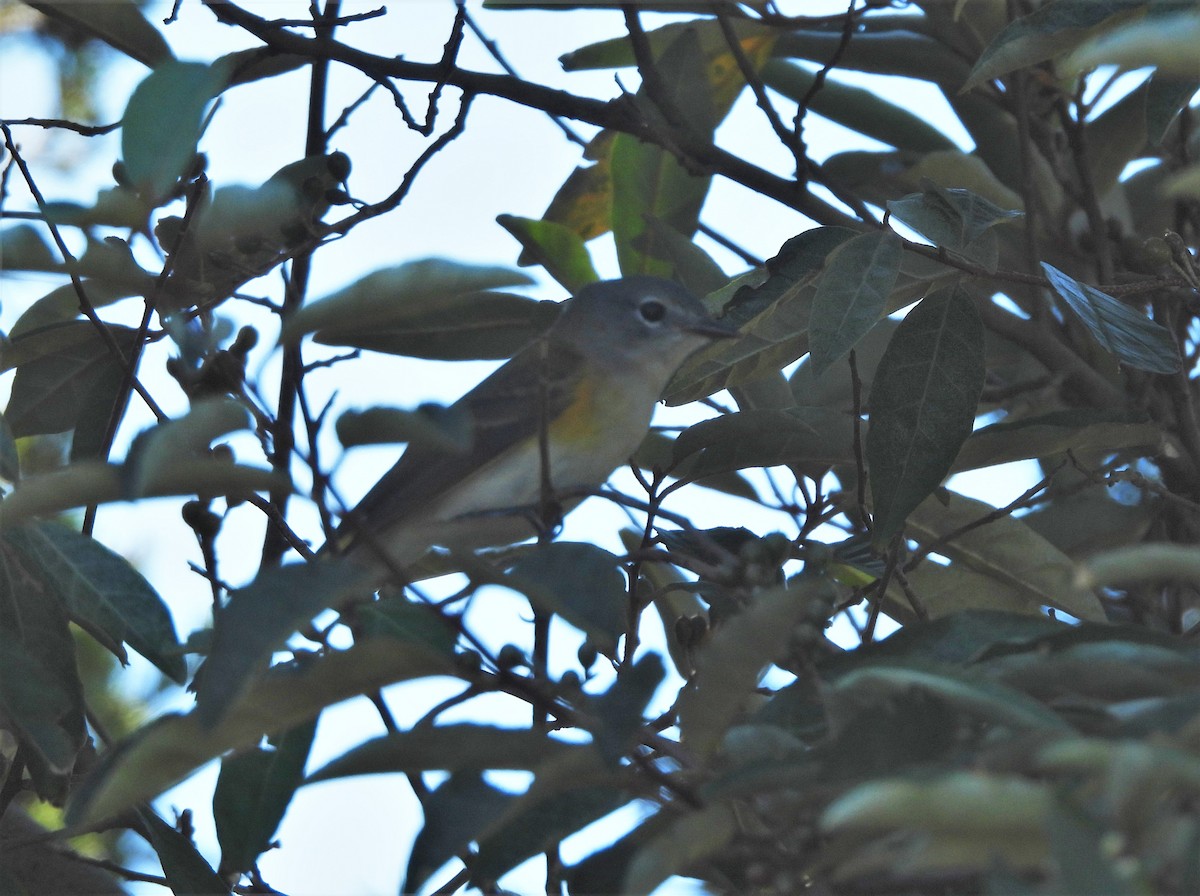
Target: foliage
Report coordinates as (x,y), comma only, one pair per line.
(1033,725)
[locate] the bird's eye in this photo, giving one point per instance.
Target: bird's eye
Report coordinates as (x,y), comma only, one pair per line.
(652,310)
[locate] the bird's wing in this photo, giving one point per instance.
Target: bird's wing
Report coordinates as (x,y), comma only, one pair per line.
(503,410)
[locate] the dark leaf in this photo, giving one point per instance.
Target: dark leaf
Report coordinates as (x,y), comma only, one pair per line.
(923,405)
(101,592)
(1051,30)
(810,437)
(60,371)
(1132,337)
(772,318)
(253,793)
(852,295)
(455,814)
(581,583)
(10,460)
(565,797)
(173,746)
(394,616)
(430,425)
(258,620)
(453,748)
(954,219)
(619,710)
(1053,434)
(119,23)
(647,180)
(40,689)
(186,871)
(1006,550)
(861,110)
(1167,97)
(428,309)
(730,664)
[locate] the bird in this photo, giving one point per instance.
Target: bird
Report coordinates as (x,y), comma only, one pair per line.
(554,420)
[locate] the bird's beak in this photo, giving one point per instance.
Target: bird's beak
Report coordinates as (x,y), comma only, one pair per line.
(713,328)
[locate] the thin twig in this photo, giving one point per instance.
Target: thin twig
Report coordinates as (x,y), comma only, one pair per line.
(1025,499)
(86,130)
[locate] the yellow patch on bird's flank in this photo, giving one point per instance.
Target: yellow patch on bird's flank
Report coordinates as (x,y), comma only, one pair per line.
(581,419)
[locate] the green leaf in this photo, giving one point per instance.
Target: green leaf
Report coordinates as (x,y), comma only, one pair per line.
(161,447)
(730,664)
(1006,550)
(253,792)
(852,295)
(430,425)
(693,267)
(23,249)
(394,616)
(427,309)
(957,639)
(896,52)
(1161,38)
(10,459)
(1082,524)
(861,110)
(581,583)
(772,318)
(117,206)
(620,710)
(119,23)
(1166,98)
(1049,31)
(173,746)
(34,702)
(583,203)
(811,437)
(566,796)
(942,590)
(1047,435)
(40,691)
(453,748)
(258,620)
(954,219)
(162,123)
(648,181)
(111,261)
(1146,562)
(101,592)
(923,405)
(455,815)
(962,820)
(186,871)
(64,373)
(62,304)
(245,66)
(1084,863)
(93,482)
(1135,339)
(688,839)
(655,454)
(555,247)
(881,177)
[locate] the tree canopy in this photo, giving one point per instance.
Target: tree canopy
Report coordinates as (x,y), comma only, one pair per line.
(1032,725)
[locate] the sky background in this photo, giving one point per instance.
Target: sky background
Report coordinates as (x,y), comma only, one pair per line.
(353,836)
